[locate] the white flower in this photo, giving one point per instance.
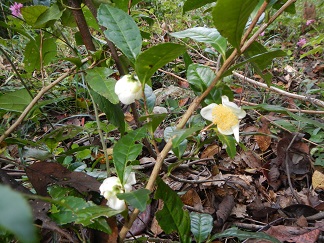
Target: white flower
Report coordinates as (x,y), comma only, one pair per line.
(128,89)
(226,116)
(111,186)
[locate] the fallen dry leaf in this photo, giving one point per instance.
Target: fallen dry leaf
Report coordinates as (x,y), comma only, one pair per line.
(191,198)
(42,174)
(318,180)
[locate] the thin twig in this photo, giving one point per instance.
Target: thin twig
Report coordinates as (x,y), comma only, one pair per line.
(296,96)
(288,109)
(36,98)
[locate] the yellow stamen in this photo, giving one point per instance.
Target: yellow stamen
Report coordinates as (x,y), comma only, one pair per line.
(224,117)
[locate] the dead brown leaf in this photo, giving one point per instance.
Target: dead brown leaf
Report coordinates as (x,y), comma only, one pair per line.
(210,151)
(191,198)
(42,174)
(224,210)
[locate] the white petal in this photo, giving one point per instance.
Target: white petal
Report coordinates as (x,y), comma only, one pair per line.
(108,184)
(206,112)
(225,132)
(241,114)
(234,107)
(126,99)
(115,203)
(236,131)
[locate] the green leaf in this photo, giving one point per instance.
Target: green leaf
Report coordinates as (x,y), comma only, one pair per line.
(149,61)
(172,217)
(306,120)
(182,134)
(32,13)
(98,80)
(150,97)
(200,77)
(156,119)
(48,17)
(201,225)
(242,235)
(123,4)
(121,30)
(267,57)
(137,199)
(230,17)
(126,150)
(230,144)
(113,112)
(194,4)
(258,54)
(32,52)
(16,215)
(15,101)
(205,35)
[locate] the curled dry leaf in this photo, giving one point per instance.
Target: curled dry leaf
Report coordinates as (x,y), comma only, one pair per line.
(191,198)
(318,180)
(263,141)
(224,210)
(210,151)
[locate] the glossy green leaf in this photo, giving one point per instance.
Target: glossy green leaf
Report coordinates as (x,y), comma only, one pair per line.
(182,134)
(205,35)
(32,52)
(172,217)
(126,150)
(113,112)
(194,4)
(150,97)
(230,17)
(68,209)
(243,235)
(121,29)
(267,57)
(98,80)
(90,19)
(48,17)
(32,13)
(16,215)
(201,225)
(155,120)
(15,101)
(259,55)
(137,199)
(200,77)
(230,144)
(149,61)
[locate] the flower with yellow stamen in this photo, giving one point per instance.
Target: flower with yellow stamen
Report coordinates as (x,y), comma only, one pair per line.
(226,116)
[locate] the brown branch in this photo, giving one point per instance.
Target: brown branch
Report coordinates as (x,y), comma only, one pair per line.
(82,24)
(111,45)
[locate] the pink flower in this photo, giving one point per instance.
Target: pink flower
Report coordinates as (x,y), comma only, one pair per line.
(301,42)
(310,21)
(262,33)
(15,9)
